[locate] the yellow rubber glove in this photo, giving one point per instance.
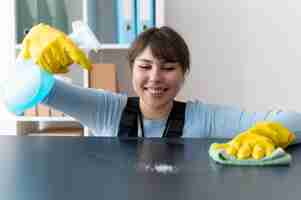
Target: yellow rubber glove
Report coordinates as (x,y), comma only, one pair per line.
(52,49)
(258,141)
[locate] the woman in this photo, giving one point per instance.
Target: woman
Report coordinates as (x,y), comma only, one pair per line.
(159,60)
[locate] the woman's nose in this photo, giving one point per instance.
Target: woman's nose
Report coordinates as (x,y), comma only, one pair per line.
(155,74)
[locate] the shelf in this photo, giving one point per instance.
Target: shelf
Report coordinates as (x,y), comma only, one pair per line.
(58,132)
(103,46)
(45,119)
(115,46)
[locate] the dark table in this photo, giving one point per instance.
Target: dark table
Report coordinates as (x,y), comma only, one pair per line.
(44,168)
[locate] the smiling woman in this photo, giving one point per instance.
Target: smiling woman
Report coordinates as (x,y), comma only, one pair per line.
(156,83)
(159,60)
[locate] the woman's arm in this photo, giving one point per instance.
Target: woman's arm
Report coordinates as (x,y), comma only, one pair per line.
(97,109)
(217,121)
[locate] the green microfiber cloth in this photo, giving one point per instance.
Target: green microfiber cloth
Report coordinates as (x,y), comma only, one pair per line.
(278,157)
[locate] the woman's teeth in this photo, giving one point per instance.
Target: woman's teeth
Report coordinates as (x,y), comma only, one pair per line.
(156,91)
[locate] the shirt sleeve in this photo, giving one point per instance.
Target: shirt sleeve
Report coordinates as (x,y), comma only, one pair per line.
(99,110)
(289,119)
(217,121)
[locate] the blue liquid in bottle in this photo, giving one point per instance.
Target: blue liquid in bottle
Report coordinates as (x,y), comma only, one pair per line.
(27,86)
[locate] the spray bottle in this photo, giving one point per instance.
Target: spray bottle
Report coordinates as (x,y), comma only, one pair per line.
(28,84)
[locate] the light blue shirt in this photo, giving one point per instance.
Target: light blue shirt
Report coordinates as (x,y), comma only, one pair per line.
(101,111)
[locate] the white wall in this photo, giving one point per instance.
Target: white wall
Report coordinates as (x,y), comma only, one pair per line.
(244,52)
(7,37)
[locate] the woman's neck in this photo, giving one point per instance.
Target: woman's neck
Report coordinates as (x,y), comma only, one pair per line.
(155,113)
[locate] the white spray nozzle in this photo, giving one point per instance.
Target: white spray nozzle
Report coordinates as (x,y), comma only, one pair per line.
(84,37)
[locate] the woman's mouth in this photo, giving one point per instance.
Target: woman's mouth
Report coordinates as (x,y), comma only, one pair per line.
(156,92)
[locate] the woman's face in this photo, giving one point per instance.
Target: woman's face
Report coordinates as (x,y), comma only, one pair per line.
(156,82)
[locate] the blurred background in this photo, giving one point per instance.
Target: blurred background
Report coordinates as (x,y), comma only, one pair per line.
(243,53)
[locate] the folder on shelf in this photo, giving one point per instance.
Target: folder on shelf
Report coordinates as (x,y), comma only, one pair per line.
(126,23)
(145,15)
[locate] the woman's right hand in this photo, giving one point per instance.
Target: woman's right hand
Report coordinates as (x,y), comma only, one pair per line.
(52,50)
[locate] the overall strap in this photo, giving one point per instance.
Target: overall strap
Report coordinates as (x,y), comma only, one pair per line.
(128,126)
(175,122)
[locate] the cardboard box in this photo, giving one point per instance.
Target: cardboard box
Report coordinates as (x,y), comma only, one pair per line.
(103,76)
(31,112)
(43,111)
(56,113)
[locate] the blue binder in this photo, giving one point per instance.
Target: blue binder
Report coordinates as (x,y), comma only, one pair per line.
(145,14)
(126,21)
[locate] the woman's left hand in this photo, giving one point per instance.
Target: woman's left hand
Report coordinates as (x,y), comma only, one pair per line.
(258,141)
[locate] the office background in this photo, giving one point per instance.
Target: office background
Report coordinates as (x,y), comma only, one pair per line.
(244,53)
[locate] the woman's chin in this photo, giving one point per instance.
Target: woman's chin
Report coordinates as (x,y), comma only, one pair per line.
(157,102)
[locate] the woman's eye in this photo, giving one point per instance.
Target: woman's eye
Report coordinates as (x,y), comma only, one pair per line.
(145,66)
(168,68)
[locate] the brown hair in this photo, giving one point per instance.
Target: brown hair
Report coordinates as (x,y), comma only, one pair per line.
(165,44)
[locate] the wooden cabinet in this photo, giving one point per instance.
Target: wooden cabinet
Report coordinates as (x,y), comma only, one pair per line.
(104,76)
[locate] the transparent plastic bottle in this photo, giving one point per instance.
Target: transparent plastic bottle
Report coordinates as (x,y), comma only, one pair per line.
(26,86)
